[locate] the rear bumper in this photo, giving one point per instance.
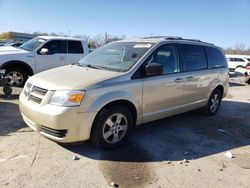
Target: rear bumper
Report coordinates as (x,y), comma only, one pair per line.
(61,124)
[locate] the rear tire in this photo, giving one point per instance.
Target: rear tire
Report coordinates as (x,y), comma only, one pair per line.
(213,103)
(7,90)
(16,77)
(111,127)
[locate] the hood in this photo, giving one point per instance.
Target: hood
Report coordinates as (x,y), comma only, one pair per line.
(70,77)
(11,50)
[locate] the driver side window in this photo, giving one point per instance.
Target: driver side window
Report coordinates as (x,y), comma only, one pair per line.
(167,56)
(55,47)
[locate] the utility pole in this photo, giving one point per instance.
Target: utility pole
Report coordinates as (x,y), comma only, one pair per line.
(106,37)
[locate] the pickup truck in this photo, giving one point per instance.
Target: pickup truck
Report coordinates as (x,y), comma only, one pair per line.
(39,54)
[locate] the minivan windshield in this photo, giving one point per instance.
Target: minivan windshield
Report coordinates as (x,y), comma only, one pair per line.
(118,56)
(32,44)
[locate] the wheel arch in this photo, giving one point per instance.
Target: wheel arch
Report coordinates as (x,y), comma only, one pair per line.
(221,89)
(19,64)
(125,103)
(216,86)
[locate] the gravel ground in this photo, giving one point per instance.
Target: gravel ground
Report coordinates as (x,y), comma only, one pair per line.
(187,150)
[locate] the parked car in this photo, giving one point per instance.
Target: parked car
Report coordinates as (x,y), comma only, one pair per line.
(4,42)
(237,61)
(242,73)
(14,44)
(123,84)
(39,54)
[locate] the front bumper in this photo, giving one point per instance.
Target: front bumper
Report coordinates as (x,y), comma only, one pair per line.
(61,124)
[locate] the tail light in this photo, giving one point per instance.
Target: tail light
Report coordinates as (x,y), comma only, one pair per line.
(248,66)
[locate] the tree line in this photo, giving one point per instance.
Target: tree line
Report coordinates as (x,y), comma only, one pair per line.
(102,39)
(93,42)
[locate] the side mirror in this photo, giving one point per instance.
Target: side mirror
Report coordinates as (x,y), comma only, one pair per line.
(154,69)
(44,51)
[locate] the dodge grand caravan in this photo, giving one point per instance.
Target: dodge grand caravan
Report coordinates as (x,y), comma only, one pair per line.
(123,84)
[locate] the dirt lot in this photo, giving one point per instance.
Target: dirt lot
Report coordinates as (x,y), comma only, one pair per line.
(152,157)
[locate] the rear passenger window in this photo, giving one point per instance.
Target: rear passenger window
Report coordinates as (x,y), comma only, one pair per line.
(193,57)
(240,60)
(215,58)
(75,47)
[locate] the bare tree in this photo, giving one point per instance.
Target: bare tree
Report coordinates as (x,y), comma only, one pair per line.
(239,48)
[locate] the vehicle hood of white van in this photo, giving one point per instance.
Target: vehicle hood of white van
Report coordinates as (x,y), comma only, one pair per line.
(70,77)
(7,50)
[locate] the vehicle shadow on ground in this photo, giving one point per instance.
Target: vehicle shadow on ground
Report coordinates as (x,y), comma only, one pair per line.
(10,118)
(187,136)
(235,84)
(9,97)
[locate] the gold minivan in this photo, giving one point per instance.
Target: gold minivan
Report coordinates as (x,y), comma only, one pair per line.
(124,84)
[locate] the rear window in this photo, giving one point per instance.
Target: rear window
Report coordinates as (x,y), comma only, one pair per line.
(193,57)
(75,47)
(215,58)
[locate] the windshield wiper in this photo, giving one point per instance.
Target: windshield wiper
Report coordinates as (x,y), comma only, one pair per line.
(77,63)
(93,66)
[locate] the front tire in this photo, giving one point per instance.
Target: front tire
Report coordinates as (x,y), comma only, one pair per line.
(213,103)
(111,127)
(16,77)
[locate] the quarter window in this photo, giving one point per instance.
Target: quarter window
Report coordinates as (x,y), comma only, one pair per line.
(240,60)
(215,58)
(75,47)
(193,57)
(167,56)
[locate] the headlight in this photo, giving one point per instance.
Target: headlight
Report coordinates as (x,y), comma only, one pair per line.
(67,98)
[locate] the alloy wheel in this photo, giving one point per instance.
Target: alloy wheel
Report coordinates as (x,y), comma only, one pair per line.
(115,128)
(15,78)
(215,101)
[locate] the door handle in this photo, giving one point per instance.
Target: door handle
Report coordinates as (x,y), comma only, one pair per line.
(178,80)
(190,78)
(61,58)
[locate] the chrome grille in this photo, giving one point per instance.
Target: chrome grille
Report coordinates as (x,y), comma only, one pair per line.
(35,99)
(34,93)
(39,90)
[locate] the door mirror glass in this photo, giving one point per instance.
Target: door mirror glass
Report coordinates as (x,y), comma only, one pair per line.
(44,51)
(154,69)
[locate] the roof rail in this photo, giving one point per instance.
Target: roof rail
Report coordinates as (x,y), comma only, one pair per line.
(164,37)
(176,38)
(195,40)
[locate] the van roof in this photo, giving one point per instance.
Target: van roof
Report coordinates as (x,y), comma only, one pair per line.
(156,39)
